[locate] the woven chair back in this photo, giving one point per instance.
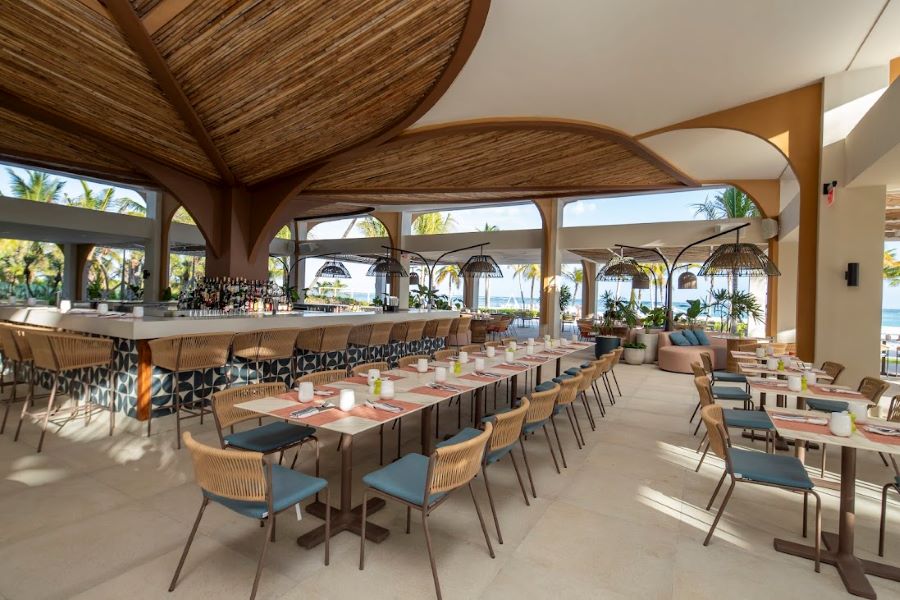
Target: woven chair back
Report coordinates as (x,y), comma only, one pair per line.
(246,345)
(495,344)
(363,369)
(453,466)
(541,405)
(15,346)
(41,351)
(698,369)
(414,330)
(893,413)
(704,390)
(430,329)
(444,354)
(81,351)
(587,376)
(471,348)
(407,361)
(223,403)
(191,352)
(602,364)
(233,474)
(360,335)
(508,426)
(310,340)
(335,338)
(714,419)
(617,355)
(398,332)
(323,377)
(873,388)
(778,347)
(381,334)
(834,369)
(460,325)
(706,359)
(443,328)
(277,343)
(568,389)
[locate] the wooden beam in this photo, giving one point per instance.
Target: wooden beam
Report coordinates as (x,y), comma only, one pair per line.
(95,6)
(162,13)
(137,37)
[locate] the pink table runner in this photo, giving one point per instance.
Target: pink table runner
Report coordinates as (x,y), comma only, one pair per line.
(412,369)
(317,420)
(799,425)
(839,395)
(877,437)
(430,391)
(479,378)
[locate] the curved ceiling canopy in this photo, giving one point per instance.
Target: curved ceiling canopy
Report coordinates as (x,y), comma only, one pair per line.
(504,156)
(240,91)
(718,154)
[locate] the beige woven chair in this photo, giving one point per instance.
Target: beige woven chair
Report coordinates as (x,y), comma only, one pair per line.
(363,369)
(409,335)
(411,361)
(601,366)
(242,482)
(833,369)
(320,341)
(273,438)
(617,356)
(495,344)
(263,346)
(186,353)
(478,327)
(872,388)
(445,354)
(568,392)
(442,331)
(447,469)
(323,377)
(17,356)
(540,412)
(459,331)
(58,353)
(587,378)
(471,348)
(371,336)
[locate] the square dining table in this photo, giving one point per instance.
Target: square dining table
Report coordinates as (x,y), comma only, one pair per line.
(413,393)
(839,547)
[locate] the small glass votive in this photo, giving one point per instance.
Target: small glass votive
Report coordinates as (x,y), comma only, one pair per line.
(65,306)
(530,341)
(372,376)
(387,389)
(422,365)
(347,401)
(440,374)
(490,351)
(137,312)
(305,391)
(103,308)
(510,356)
(479,363)
(463,357)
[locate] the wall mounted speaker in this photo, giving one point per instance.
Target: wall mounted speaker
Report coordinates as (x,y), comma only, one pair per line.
(852,274)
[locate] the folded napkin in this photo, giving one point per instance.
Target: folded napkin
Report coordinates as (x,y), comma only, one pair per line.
(801,419)
(387,407)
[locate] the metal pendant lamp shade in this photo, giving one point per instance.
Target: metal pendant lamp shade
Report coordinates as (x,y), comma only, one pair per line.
(385,266)
(413,278)
(620,268)
(740,259)
(481,265)
(641,281)
(334,269)
(687,281)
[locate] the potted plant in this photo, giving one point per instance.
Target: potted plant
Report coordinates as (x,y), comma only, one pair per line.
(654,318)
(634,353)
(605,341)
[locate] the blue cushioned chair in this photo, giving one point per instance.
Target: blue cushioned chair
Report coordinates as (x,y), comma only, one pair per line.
(250,485)
(722,392)
(569,387)
(720,375)
(424,483)
(507,430)
(745,466)
(267,439)
(753,420)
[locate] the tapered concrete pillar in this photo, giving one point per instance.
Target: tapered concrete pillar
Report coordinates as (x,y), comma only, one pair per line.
(234,258)
(551,216)
(588,287)
(70,272)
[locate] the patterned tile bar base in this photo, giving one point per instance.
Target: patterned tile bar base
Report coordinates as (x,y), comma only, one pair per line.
(201,384)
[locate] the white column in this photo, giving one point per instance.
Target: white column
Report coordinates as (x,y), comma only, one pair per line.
(403,289)
(69,275)
(301,231)
(152,248)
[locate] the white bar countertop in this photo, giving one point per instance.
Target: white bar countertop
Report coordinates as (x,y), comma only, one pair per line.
(145,328)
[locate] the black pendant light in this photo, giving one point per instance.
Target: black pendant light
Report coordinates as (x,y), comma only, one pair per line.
(481,265)
(687,281)
(739,259)
(334,269)
(413,278)
(386,266)
(641,281)
(620,268)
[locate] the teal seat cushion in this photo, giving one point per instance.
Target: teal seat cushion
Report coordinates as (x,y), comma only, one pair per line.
(747,419)
(545,386)
(404,479)
(729,377)
(678,339)
(463,435)
(725,392)
(269,437)
(532,427)
(827,405)
(496,455)
(572,371)
(288,488)
(562,378)
(701,337)
(586,365)
(691,337)
(778,469)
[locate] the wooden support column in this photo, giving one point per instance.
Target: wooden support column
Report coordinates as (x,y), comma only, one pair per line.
(83,254)
(234,258)
(772,293)
(588,287)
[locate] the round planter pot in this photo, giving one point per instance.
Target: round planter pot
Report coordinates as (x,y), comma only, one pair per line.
(605,344)
(651,340)
(634,356)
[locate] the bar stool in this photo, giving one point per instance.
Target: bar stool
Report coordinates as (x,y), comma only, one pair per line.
(322,341)
(370,337)
(265,345)
(478,327)
(442,331)
(407,334)
(17,356)
(59,353)
(459,334)
(189,353)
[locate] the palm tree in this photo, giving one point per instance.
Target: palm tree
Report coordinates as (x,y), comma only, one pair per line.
(105,201)
(39,186)
(532,273)
(576,276)
(891,268)
(451,274)
(371,227)
(487,280)
(433,223)
(730,203)
(657,273)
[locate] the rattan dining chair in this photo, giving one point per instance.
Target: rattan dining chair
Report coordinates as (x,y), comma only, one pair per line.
(833,369)
(323,377)
(370,337)
(441,331)
(471,348)
(569,386)
(276,437)
(459,331)
(58,353)
(412,360)
(424,483)
(540,412)
(603,365)
(587,371)
(188,353)
(250,485)
(263,346)
(617,356)
(747,466)
(893,414)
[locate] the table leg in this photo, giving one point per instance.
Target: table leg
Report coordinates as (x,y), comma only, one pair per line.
(513,390)
(344,518)
(480,397)
(839,551)
(558,366)
(427,430)
(539,378)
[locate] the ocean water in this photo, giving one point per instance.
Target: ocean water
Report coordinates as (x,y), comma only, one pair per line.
(890,317)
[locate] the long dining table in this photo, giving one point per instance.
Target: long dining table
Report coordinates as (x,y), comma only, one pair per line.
(414,392)
(796,424)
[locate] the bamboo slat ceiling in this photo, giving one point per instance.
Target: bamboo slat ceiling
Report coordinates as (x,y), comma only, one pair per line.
(276,85)
(503,158)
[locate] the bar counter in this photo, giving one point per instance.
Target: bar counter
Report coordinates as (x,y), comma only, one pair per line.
(140,387)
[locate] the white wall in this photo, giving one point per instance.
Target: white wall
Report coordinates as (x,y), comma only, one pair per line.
(788,246)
